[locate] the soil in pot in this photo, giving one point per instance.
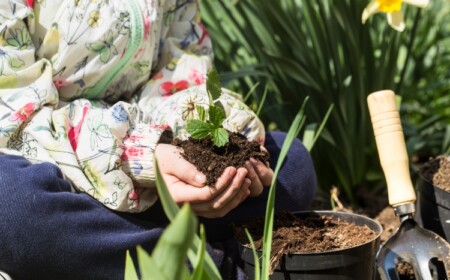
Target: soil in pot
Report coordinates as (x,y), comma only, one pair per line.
(310,234)
(433,211)
(437,171)
(212,160)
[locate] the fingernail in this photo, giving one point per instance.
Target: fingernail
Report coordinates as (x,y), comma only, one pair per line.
(200,178)
(247,194)
(254,162)
(231,171)
(243,172)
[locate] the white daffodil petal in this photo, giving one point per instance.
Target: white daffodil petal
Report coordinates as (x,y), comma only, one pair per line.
(418,3)
(370,9)
(395,20)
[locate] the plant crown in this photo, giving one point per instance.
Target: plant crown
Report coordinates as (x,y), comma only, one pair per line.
(209,122)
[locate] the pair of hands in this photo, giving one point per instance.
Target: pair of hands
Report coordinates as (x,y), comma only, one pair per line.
(186,184)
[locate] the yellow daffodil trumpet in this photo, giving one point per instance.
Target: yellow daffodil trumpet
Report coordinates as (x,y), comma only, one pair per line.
(392,9)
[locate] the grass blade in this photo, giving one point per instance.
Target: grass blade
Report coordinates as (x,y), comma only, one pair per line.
(255,256)
(315,134)
(298,122)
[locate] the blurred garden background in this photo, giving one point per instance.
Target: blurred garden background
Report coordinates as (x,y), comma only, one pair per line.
(278,52)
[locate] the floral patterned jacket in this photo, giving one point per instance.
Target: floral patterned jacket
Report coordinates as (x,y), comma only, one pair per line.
(90,85)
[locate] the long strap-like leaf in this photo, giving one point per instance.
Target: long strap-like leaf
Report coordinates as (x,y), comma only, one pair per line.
(297,124)
(171,209)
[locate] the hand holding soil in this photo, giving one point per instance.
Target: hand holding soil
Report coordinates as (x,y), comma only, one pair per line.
(186,184)
(238,152)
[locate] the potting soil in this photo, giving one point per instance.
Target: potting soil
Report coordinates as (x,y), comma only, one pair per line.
(212,160)
(311,234)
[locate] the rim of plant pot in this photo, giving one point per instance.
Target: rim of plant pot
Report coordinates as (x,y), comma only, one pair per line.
(433,192)
(348,262)
(433,207)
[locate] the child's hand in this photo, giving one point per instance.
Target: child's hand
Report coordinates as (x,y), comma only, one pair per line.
(186,184)
(260,174)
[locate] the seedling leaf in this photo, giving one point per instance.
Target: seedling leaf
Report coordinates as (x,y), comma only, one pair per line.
(199,129)
(220,137)
(216,116)
(201,113)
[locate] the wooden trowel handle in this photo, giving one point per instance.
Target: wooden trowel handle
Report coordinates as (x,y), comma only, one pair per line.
(391,147)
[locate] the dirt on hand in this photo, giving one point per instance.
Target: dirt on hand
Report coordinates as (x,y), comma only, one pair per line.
(212,160)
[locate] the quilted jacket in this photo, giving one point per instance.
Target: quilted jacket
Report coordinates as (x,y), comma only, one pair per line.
(90,85)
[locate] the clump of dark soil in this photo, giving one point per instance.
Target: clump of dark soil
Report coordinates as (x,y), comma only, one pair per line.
(311,234)
(212,160)
(437,171)
(405,271)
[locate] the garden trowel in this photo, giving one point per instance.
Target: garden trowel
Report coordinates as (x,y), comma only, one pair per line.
(426,252)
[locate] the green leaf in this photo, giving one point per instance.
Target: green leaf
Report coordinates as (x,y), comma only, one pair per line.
(296,125)
(201,113)
(216,116)
(199,272)
(261,103)
(220,137)
(213,85)
(311,135)
(130,270)
(171,209)
(308,135)
(149,270)
(198,129)
(255,256)
(170,253)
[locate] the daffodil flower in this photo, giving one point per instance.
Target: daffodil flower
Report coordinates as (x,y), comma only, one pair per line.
(393,10)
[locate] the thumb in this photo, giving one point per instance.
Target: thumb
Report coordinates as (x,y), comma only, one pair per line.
(172,162)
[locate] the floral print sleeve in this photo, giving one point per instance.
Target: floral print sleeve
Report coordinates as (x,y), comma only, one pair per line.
(90,85)
(178,84)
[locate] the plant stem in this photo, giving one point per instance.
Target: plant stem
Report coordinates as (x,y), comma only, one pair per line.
(409,50)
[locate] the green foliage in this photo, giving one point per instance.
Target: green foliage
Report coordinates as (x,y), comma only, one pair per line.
(213,85)
(171,210)
(321,49)
(179,240)
(209,122)
(294,130)
(177,243)
(168,259)
(426,102)
(213,127)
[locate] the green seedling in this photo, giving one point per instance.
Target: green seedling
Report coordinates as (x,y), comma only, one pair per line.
(209,122)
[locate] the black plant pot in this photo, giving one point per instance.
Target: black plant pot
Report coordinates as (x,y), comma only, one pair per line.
(352,263)
(433,208)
